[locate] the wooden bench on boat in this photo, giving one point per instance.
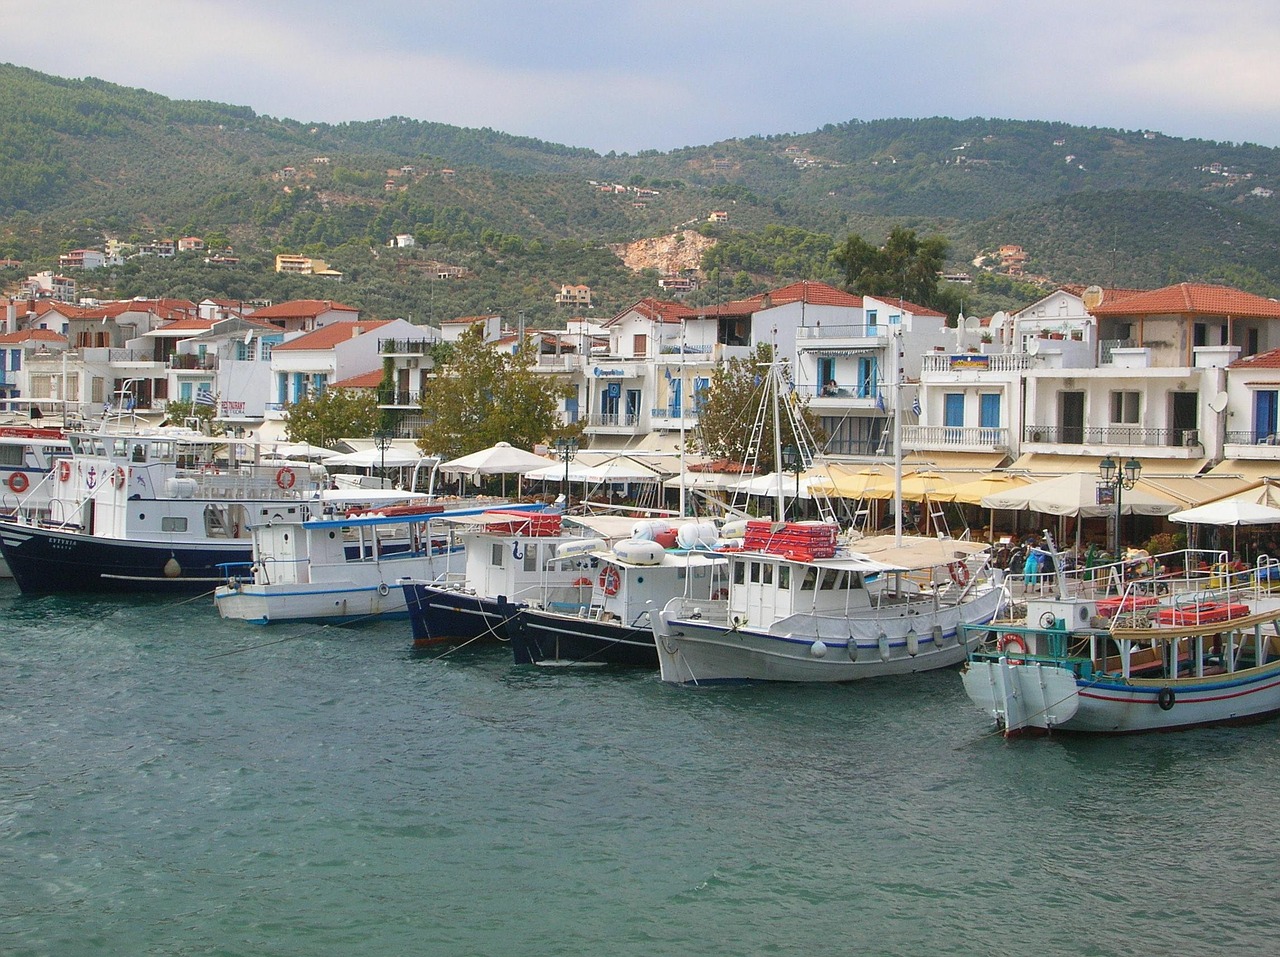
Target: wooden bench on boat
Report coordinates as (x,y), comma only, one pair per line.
(1204,613)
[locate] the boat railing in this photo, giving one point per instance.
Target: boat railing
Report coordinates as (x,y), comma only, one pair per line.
(695,608)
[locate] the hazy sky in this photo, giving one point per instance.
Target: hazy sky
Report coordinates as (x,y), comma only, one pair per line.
(656,74)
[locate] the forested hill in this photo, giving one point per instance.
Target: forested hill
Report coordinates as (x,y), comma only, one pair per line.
(81,160)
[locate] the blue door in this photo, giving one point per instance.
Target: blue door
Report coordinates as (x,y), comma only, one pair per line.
(1264,416)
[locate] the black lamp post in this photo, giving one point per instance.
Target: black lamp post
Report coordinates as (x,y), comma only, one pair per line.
(1114,479)
(567,449)
(382,439)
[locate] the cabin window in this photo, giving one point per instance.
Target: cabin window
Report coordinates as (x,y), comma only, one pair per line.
(829,576)
(496,551)
(755,572)
(173,523)
(531,558)
(739,572)
(810,579)
(784,576)
(767,574)
(138,454)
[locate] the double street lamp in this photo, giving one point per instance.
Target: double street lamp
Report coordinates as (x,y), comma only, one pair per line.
(1113,480)
(566,449)
(793,461)
(382,439)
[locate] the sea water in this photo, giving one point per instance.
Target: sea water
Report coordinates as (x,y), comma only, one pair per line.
(174,784)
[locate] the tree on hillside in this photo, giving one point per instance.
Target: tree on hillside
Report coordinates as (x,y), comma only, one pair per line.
(905,266)
(729,408)
(333,414)
(480,397)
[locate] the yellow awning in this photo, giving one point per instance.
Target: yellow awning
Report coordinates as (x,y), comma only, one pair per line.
(977,462)
(1047,464)
(1249,469)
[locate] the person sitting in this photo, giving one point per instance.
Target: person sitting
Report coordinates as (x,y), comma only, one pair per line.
(830,388)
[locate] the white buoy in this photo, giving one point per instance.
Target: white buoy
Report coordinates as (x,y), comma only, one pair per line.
(818,649)
(913,643)
(884,647)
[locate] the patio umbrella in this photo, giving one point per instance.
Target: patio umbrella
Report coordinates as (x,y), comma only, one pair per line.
(374,458)
(1230,511)
(301,450)
(1076,494)
(500,459)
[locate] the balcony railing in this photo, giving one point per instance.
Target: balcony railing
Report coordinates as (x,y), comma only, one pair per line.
(836,390)
(1252,438)
(622,420)
(1120,435)
(1107,346)
(404,347)
(204,362)
(665,417)
(399,398)
(951,436)
(854,331)
(964,362)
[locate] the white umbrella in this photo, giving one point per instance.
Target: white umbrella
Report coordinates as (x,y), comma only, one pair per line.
(771,483)
(621,469)
(1076,493)
(500,459)
(578,471)
(1233,512)
(375,458)
(301,450)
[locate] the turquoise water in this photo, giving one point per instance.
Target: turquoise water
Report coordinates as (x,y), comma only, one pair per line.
(174,784)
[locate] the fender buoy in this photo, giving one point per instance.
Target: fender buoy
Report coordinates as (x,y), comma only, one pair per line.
(117,477)
(18,482)
(64,470)
(610,580)
(285,477)
(1165,699)
(1015,642)
(383,589)
(959,572)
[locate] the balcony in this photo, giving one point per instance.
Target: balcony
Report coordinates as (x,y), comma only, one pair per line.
(1111,436)
(400,399)
(193,363)
(1001,362)
(876,332)
(613,422)
(404,347)
(671,419)
(1251,445)
(967,438)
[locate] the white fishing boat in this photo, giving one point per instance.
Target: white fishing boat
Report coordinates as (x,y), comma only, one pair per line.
(342,567)
(805,605)
(1201,647)
(28,454)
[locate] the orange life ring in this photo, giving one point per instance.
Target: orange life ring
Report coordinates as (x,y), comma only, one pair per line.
(582,582)
(959,572)
(64,470)
(117,477)
(285,477)
(720,594)
(18,482)
(1010,641)
(610,580)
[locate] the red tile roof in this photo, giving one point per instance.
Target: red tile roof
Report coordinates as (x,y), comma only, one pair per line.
(31,335)
(365,380)
(1191,298)
(655,310)
(1263,360)
(333,333)
(302,309)
(464,319)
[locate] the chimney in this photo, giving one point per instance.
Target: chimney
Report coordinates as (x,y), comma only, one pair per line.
(11,316)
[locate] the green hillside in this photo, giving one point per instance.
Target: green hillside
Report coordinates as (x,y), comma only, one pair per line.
(81,160)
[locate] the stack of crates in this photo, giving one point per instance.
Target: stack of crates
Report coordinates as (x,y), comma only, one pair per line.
(799,541)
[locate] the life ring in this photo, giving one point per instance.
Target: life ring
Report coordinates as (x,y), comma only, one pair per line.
(285,477)
(117,477)
(64,470)
(18,482)
(583,582)
(1016,643)
(1165,699)
(610,580)
(959,572)
(720,594)
(383,589)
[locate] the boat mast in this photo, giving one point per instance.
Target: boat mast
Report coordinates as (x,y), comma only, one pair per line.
(777,437)
(895,342)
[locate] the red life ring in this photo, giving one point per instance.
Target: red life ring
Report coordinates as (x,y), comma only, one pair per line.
(1012,641)
(285,477)
(18,482)
(959,572)
(582,582)
(64,470)
(720,594)
(117,477)
(610,580)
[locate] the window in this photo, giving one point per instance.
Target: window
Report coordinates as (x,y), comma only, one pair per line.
(872,319)
(829,576)
(1264,414)
(826,376)
(173,523)
(496,551)
(767,573)
(867,377)
(739,572)
(531,557)
(784,576)
(989,410)
(1124,408)
(755,572)
(810,579)
(953,409)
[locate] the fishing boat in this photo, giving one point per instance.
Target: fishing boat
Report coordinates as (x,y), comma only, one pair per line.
(341,568)
(137,509)
(610,621)
(1206,652)
(28,454)
(804,603)
(506,567)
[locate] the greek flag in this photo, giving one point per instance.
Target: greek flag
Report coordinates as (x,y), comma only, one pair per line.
(880,401)
(915,406)
(204,396)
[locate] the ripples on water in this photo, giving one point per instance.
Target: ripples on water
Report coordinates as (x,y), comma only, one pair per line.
(174,784)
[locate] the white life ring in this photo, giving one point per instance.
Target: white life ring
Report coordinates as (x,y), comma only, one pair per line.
(959,572)
(383,589)
(285,478)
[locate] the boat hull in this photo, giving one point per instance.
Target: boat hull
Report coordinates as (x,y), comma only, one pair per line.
(541,637)
(334,602)
(443,614)
(699,652)
(1012,695)
(46,561)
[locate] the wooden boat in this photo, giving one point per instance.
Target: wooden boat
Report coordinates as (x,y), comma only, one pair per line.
(1057,670)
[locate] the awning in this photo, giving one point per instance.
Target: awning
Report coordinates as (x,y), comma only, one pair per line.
(1190,490)
(1248,469)
(1047,463)
(952,461)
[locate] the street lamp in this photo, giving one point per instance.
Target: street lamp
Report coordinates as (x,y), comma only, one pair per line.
(1112,481)
(793,461)
(382,439)
(567,449)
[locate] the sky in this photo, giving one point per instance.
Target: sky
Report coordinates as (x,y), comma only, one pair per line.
(658,75)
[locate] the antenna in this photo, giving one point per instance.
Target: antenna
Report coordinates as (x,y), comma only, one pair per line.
(1218,402)
(1033,347)
(1092,298)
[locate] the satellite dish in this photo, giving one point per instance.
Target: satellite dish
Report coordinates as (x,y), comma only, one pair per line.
(1033,347)
(1218,402)
(1092,298)
(999,319)
(972,324)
